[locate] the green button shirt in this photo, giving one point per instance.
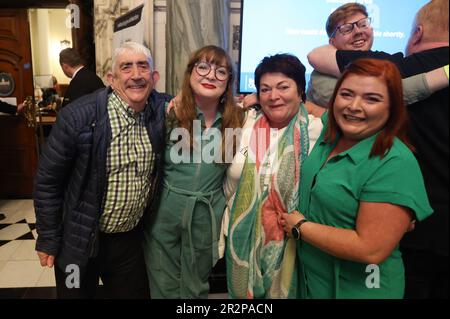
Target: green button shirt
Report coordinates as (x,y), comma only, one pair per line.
(129,162)
(330,194)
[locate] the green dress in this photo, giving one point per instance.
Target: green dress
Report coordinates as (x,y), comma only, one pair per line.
(180,242)
(330,195)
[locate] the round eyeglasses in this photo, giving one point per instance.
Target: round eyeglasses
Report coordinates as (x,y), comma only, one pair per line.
(347,28)
(204,68)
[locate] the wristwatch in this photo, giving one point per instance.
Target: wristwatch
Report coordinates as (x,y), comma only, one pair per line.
(296,229)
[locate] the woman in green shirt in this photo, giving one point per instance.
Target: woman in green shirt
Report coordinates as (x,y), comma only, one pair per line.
(181,237)
(361,187)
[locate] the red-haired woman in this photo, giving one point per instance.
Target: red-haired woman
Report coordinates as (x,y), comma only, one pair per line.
(361,188)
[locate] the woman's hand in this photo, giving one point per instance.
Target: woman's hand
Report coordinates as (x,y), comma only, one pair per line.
(239,99)
(173,103)
(250,100)
(412,226)
(288,221)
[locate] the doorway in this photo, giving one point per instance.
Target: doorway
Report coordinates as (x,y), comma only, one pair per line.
(18,154)
(49,35)
(18,142)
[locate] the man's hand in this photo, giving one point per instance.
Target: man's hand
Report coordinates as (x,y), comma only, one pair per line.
(20,107)
(46,259)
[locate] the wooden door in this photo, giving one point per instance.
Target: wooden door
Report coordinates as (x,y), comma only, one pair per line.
(18,151)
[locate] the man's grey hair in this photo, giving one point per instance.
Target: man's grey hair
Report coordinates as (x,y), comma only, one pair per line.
(132,47)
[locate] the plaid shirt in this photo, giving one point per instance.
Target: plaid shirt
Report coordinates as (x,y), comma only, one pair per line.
(129,162)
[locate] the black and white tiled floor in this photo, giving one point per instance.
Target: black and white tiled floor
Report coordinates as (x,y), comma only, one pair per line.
(19,264)
(21,275)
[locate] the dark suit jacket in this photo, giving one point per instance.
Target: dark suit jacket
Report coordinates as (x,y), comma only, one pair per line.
(84,82)
(7,108)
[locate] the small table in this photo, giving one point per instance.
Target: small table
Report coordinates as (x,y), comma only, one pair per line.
(45,120)
(41,122)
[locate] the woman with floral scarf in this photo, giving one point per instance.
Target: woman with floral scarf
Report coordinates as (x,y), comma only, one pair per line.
(263,181)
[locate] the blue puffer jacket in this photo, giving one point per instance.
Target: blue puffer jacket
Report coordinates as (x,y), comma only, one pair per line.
(71,178)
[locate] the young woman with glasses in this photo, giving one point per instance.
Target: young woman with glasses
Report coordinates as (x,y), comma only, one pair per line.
(181,236)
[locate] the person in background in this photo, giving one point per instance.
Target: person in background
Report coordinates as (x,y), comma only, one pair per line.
(425,250)
(181,236)
(361,188)
(354,33)
(349,28)
(83,82)
(96,179)
(50,96)
(10,109)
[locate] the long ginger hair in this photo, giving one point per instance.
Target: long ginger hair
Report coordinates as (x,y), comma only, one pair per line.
(397,123)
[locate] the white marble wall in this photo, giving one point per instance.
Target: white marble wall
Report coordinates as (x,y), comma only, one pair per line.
(234,33)
(105,12)
(159,40)
(156,18)
(191,25)
(43,31)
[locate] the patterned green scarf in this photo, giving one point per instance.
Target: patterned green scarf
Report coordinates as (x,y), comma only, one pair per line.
(261,259)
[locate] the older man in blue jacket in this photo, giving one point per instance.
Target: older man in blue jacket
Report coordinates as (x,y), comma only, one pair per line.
(97,178)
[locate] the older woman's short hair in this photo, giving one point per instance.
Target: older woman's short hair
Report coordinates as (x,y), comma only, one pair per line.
(284,63)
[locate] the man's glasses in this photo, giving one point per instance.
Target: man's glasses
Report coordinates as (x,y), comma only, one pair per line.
(204,68)
(348,27)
